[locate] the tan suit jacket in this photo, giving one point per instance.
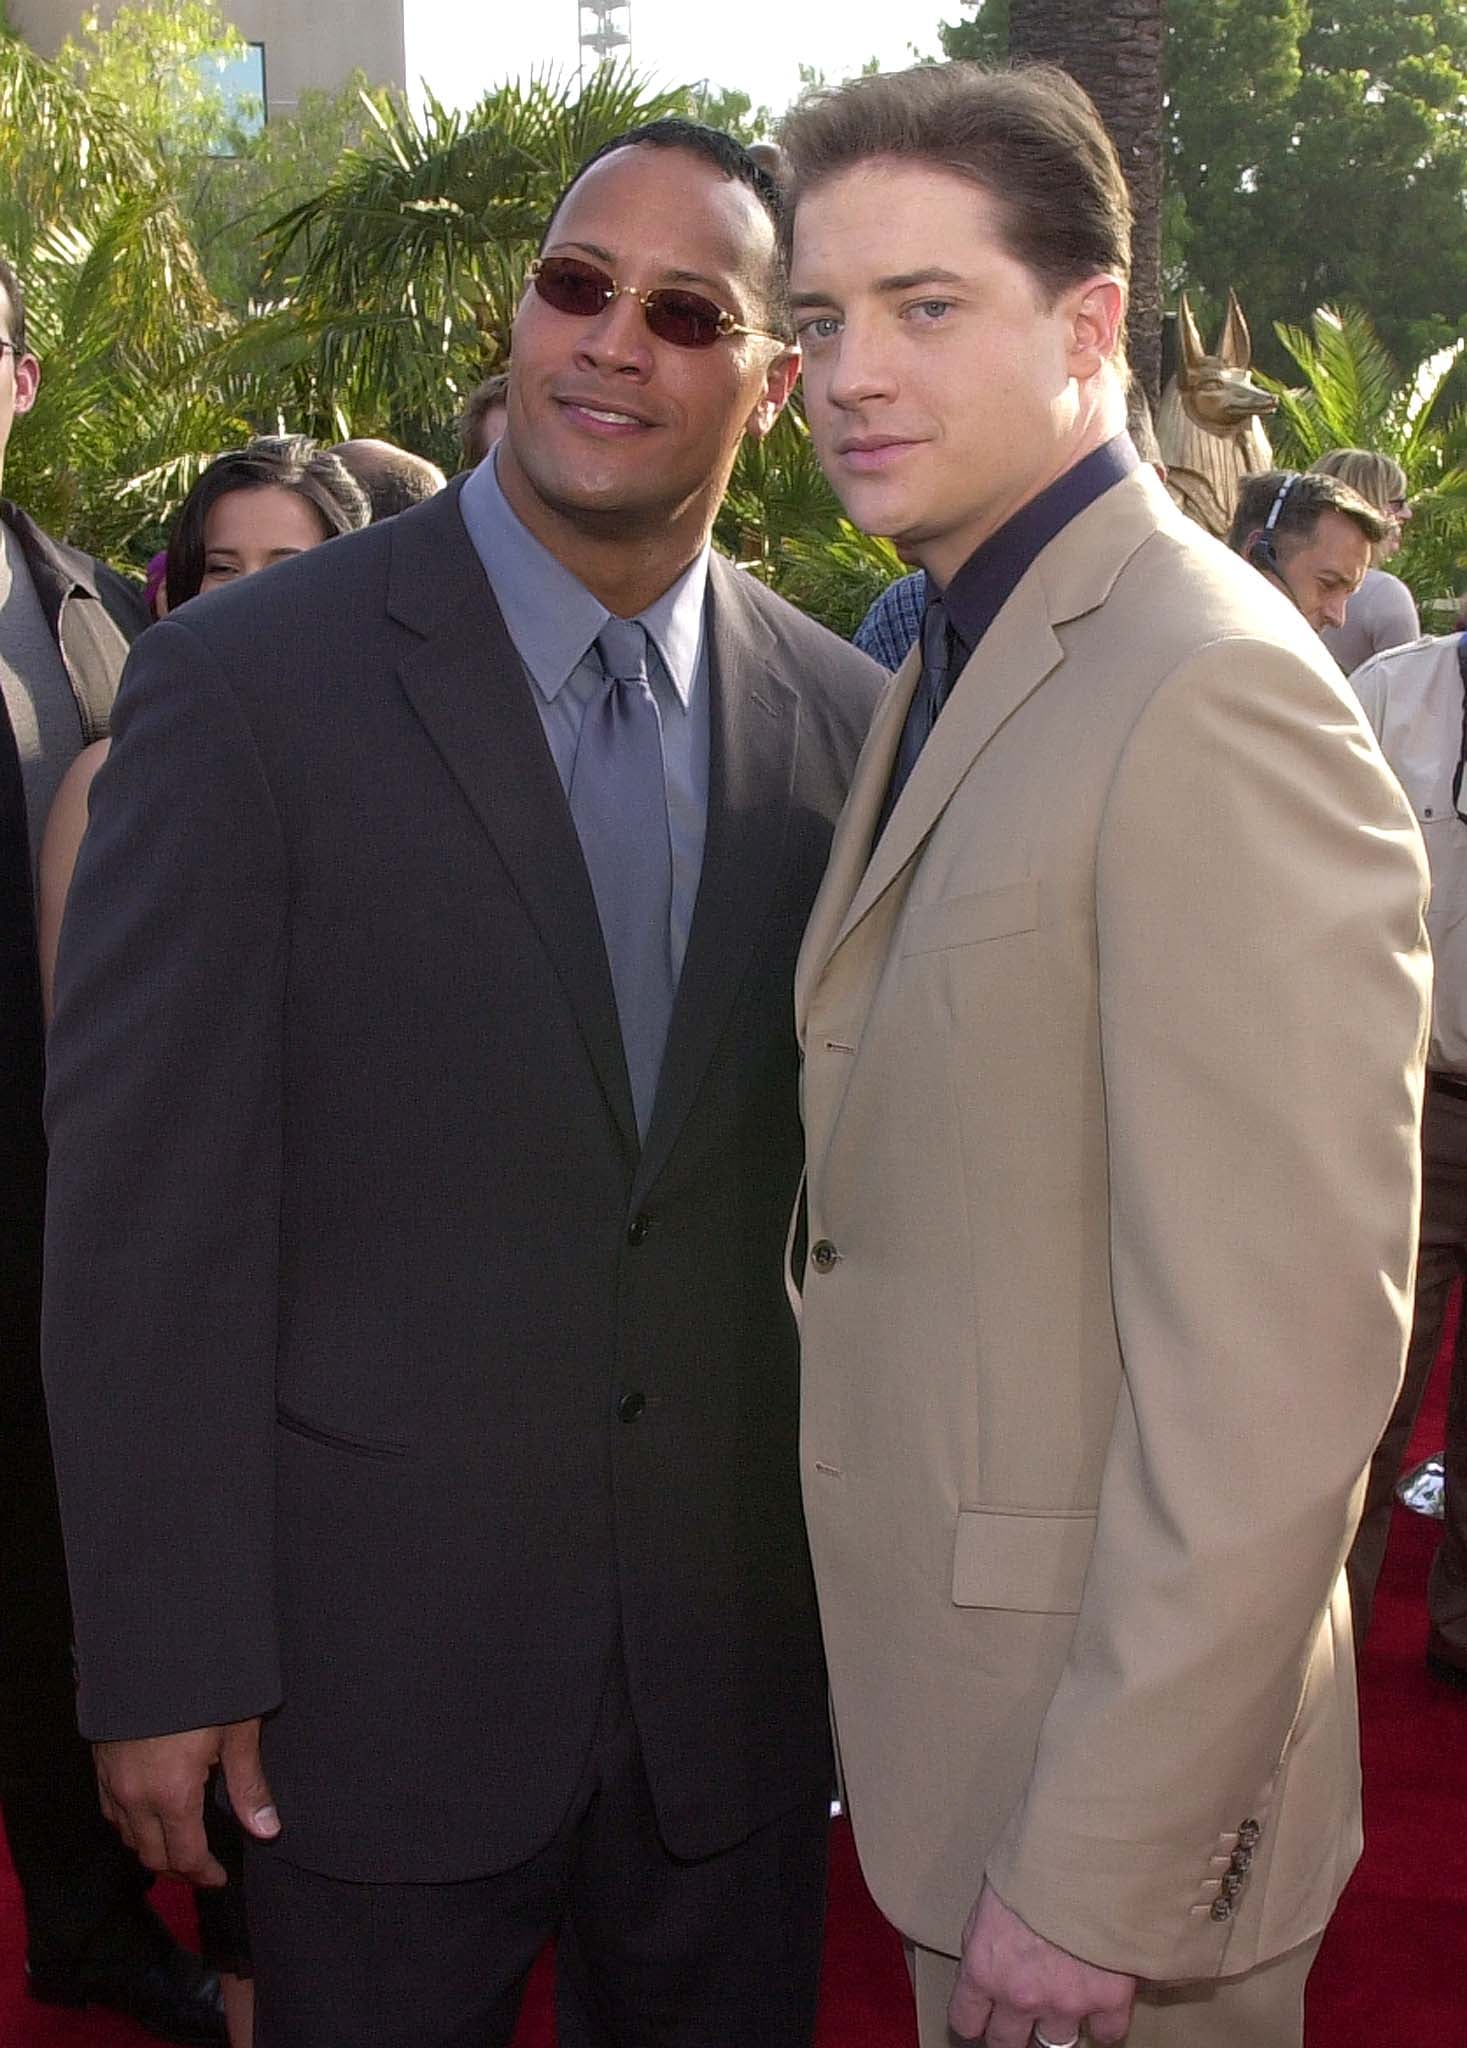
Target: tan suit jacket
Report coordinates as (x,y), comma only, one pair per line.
(1113,1055)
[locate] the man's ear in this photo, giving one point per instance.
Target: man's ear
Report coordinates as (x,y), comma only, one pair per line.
(1097,311)
(780,380)
(27,382)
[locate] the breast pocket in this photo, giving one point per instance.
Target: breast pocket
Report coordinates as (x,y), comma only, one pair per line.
(971,920)
(1427,787)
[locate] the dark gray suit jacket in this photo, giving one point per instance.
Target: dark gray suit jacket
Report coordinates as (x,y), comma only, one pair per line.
(390,1383)
(93,615)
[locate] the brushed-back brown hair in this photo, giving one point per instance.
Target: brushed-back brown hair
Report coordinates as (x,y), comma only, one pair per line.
(1295,501)
(1027,134)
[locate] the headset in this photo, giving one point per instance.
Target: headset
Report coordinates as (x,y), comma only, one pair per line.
(1262,551)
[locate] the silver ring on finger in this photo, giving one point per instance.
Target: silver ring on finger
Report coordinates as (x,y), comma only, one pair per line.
(1043,2041)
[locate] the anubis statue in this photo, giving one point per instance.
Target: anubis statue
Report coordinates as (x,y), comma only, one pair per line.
(1209,427)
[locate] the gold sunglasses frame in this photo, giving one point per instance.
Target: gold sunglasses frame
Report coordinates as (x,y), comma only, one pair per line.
(726,322)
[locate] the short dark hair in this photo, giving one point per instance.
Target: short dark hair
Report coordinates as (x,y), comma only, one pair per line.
(1026,134)
(290,462)
(393,478)
(480,402)
(1301,498)
(10,285)
(726,155)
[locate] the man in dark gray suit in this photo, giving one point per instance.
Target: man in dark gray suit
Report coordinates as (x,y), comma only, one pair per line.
(424,1134)
(66,621)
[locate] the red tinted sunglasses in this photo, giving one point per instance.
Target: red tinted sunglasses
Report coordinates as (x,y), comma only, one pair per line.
(685,319)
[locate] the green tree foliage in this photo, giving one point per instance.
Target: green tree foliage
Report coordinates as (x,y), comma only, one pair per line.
(132,404)
(118,309)
(1331,164)
(1315,154)
(65,151)
(234,195)
(719,106)
(161,60)
(984,39)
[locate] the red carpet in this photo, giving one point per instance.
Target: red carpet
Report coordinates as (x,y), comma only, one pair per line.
(1393,1965)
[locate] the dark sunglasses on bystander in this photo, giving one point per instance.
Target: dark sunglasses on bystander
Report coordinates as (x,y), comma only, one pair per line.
(683,318)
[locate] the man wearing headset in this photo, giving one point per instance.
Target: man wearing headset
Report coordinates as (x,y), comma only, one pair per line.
(1310,535)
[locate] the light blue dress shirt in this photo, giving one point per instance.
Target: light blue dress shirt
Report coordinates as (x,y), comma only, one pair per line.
(553,621)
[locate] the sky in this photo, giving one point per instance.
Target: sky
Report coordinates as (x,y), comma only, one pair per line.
(756,46)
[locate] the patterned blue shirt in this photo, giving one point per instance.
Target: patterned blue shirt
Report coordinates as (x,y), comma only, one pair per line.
(890,629)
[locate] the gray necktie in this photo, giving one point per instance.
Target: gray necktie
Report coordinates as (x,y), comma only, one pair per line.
(618,798)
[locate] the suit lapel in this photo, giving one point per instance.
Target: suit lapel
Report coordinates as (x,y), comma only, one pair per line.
(850,849)
(1016,655)
(466,684)
(1072,576)
(754,721)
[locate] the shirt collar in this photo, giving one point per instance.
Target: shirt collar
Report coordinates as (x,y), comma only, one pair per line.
(551,616)
(980,589)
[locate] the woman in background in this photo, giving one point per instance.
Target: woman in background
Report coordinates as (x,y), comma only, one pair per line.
(251,508)
(1382,613)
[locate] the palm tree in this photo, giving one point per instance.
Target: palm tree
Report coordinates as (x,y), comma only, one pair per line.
(130,405)
(60,147)
(1116,52)
(1355,396)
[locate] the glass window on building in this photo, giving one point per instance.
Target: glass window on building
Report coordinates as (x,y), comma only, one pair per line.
(239,80)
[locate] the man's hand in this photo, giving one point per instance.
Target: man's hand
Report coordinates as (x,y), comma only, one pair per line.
(1013,1981)
(153,1794)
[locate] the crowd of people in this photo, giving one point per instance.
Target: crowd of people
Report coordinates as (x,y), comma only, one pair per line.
(626,1186)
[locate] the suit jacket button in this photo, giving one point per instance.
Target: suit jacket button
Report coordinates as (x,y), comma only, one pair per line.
(637,1230)
(631,1405)
(824,1256)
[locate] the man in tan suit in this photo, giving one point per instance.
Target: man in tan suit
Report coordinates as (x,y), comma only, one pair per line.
(1113,1009)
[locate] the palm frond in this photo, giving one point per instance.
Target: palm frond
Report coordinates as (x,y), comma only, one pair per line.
(428,227)
(1351,384)
(63,149)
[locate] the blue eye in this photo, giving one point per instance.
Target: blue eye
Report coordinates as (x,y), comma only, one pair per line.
(822,327)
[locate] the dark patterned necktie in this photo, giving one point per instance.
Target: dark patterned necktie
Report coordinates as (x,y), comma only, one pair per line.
(928,699)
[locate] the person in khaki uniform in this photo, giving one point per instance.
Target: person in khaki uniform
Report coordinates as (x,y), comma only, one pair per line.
(1414,697)
(1113,1009)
